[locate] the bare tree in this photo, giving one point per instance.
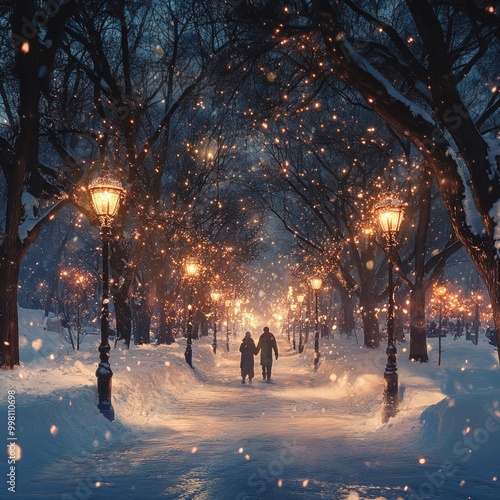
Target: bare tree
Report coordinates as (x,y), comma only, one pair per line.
(426,68)
(28,181)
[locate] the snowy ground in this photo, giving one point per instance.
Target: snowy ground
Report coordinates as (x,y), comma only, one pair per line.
(201,434)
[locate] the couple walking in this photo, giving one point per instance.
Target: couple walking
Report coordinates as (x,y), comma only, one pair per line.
(266,346)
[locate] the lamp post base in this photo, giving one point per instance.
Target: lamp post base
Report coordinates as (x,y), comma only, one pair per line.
(104,379)
(391,396)
(107,410)
(188,356)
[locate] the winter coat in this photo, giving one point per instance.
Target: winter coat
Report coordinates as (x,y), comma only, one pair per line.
(248,351)
(266,346)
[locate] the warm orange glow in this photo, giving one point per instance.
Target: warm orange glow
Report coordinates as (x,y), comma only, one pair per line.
(316,283)
(192,267)
(390,214)
(106,193)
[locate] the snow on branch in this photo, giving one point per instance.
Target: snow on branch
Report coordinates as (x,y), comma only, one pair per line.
(360,61)
(33,218)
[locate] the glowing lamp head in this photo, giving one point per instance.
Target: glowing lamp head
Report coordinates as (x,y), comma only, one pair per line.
(316,283)
(300,298)
(215,296)
(390,215)
(106,193)
(192,267)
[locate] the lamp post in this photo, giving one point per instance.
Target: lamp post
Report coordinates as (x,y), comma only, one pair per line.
(228,305)
(105,194)
(288,325)
(441,292)
(236,311)
(215,298)
(293,308)
(390,215)
(192,269)
(477,319)
(316,284)
(300,300)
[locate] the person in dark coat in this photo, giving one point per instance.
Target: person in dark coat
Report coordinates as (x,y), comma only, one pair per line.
(266,346)
(248,351)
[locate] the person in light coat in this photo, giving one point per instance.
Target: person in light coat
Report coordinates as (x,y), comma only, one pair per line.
(266,346)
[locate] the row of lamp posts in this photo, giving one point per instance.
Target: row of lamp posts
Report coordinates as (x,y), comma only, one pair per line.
(216,297)
(316,284)
(390,215)
(192,270)
(106,193)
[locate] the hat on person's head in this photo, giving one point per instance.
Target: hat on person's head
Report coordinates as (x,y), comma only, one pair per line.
(266,329)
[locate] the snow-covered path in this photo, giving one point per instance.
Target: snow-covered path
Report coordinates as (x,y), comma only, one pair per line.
(293,438)
(308,435)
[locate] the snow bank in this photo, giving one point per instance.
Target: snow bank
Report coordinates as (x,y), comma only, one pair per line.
(56,391)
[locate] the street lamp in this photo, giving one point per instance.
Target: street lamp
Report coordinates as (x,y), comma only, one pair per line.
(390,215)
(192,269)
(300,300)
(228,303)
(105,194)
(215,298)
(441,291)
(316,284)
(477,318)
(293,308)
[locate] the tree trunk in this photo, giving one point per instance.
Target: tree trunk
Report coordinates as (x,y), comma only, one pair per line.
(9,330)
(347,324)
(27,65)
(142,323)
(162,337)
(165,322)
(399,315)
(171,319)
(202,318)
(161,294)
(418,339)
(122,279)
(490,271)
(123,318)
(371,330)
(55,278)
(399,324)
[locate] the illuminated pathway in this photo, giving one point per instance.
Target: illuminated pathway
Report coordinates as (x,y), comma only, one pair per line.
(295,438)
